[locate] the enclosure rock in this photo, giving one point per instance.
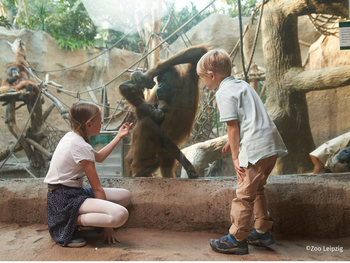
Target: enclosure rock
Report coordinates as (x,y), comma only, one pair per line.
(309,205)
(43,53)
(328,119)
(222,31)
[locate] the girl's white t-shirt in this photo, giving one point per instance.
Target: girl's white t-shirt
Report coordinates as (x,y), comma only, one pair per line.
(259,137)
(65,167)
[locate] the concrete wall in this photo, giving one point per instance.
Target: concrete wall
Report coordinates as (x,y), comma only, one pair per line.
(310,205)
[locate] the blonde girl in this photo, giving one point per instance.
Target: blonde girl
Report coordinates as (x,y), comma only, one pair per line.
(68,204)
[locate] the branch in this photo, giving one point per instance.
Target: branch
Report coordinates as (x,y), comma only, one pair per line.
(40,148)
(4,153)
(307,7)
(318,79)
(200,154)
(16,95)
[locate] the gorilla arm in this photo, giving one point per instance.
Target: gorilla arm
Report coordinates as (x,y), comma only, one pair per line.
(132,90)
(166,145)
(190,55)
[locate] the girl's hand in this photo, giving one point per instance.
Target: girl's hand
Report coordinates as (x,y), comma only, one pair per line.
(124,130)
(110,237)
(226,148)
(240,171)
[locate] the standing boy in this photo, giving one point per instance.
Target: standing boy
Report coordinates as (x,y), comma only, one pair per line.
(254,143)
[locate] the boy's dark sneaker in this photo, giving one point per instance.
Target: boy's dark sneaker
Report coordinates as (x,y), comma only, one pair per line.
(262,240)
(229,245)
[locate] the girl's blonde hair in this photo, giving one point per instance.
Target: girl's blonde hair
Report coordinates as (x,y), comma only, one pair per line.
(216,60)
(79,114)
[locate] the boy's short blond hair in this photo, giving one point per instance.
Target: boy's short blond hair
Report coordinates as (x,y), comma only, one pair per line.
(216,60)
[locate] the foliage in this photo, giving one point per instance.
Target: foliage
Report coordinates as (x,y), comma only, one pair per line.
(131,42)
(246,7)
(5,23)
(65,20)
(71,25)
(182,17)
(110,37)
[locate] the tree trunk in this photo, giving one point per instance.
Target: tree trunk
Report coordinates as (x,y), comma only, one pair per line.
(26,11)
(18,13)
(286,101)
(2,10)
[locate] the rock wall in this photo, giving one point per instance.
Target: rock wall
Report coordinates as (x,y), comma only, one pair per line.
(328,109)
(307,205)
(43,53)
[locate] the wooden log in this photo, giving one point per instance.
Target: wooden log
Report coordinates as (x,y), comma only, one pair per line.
(18,96)
(6,152)
(48,111)
(40,148)
(64,113)
(200,154)
(10,120)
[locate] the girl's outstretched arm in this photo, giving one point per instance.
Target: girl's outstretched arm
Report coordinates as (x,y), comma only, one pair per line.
(105,151)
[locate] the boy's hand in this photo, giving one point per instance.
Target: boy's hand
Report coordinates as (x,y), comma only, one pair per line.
(226,148)
(240,171)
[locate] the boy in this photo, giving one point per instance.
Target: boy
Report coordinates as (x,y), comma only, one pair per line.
(254,143)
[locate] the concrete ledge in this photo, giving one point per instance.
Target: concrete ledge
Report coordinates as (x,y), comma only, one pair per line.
(310,205)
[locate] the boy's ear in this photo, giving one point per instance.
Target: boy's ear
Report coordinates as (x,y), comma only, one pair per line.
(212,75)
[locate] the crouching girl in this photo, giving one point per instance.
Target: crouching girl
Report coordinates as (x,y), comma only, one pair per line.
(68,204)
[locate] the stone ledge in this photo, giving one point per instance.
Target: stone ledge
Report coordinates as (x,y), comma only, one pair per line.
(310,205)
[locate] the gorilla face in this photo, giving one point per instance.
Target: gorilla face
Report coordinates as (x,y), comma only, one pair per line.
(344,155)
(13,72)
(165,85)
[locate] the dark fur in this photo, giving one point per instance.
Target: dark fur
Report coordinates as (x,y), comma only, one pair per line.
(154,146)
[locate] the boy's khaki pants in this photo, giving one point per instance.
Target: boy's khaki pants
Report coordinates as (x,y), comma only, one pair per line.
(251,199)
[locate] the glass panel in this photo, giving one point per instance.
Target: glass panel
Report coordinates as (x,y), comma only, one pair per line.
(84,50)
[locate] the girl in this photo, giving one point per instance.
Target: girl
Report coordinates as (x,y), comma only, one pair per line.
(68,204)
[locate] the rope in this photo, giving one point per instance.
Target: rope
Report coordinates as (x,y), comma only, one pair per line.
(78,93)
(207,111)
(144,56)
(67,68)
(241,39)
(326,24)
(13,155)
(30,115)
(256,36)
(161,42)
(177,24)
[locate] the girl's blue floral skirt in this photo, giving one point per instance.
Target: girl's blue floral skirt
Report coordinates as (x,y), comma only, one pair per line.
(63,204)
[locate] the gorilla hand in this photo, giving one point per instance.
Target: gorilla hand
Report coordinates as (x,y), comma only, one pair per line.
(139,79)
(158,116)
(150,83)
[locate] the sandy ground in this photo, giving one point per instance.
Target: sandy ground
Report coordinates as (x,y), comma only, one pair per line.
(32,242)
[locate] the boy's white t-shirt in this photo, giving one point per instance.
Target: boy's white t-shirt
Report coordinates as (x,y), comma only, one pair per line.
(259,137)
(65,167)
